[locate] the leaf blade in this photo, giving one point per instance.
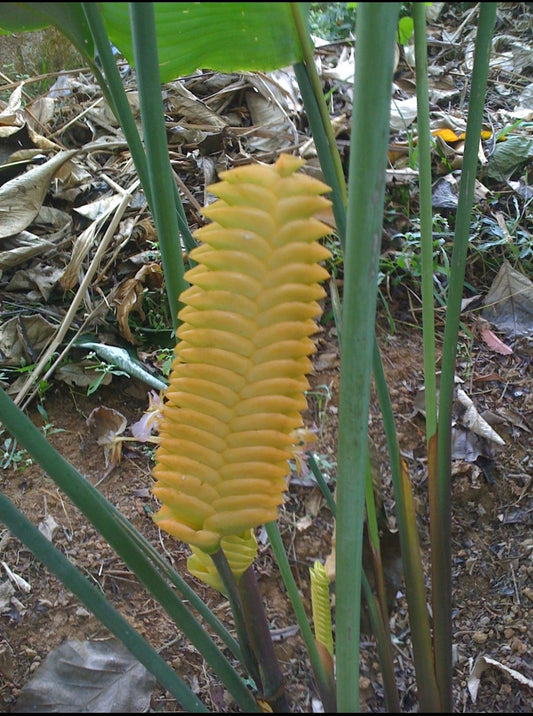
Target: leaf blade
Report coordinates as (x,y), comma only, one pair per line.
(195,35)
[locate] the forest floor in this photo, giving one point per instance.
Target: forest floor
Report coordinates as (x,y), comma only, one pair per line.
(492,496)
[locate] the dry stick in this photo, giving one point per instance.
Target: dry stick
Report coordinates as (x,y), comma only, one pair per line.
(38,78)
(26,108)
(69,316)
(93,313)
(77,117)
(67,348)
(181,185)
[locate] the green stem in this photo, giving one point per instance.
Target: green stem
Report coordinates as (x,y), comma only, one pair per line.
(155,139)
(412,565)
(376,31)
(116,94)
(328,698)
(441,563)
(319,122)
(426,217)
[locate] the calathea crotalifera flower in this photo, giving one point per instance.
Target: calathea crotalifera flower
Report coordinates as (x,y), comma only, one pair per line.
(238,380)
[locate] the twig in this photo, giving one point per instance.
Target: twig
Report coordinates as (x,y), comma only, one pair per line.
(78,298)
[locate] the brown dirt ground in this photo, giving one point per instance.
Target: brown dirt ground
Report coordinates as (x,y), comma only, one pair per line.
(492,543)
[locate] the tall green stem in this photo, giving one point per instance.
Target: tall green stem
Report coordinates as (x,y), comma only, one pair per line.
(114,91)
(426,216)
(375,32)
(441,572)
(320,123)
(155,140)
(274,536)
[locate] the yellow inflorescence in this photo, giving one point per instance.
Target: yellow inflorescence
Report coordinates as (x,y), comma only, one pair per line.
(240,551)
(238,380)
(320,606)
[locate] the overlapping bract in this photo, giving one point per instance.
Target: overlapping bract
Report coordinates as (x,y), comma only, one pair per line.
(238,380)
(240,551)
(321,607)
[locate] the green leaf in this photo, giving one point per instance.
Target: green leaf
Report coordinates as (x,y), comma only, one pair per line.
(121,358)
(15,18)
(405,30)
(224,36)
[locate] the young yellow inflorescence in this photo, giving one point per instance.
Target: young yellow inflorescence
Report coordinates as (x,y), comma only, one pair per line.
(238,380)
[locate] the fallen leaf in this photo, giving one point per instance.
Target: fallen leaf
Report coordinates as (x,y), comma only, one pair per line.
(472,420)
(88,677)
(20,583)
(21,198)
(509,302)
(492,340)
(481,664)
(108,425)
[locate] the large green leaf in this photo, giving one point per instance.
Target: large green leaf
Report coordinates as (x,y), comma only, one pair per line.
(224,36)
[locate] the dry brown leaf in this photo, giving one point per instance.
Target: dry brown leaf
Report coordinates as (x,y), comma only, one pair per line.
(492,340)
(108,425)
(22,197)
(129,296)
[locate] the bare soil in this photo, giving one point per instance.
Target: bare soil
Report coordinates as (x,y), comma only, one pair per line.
(492,541)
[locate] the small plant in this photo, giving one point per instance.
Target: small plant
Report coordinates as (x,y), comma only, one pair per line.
(102,369)
(320,397)
(12,456)
(48,427)
(332,21)
(154,325)
(406,262)
(17,459)
(165,357)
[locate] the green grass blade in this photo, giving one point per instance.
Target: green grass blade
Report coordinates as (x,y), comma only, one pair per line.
(375,31)
(442,570)
(95,601)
